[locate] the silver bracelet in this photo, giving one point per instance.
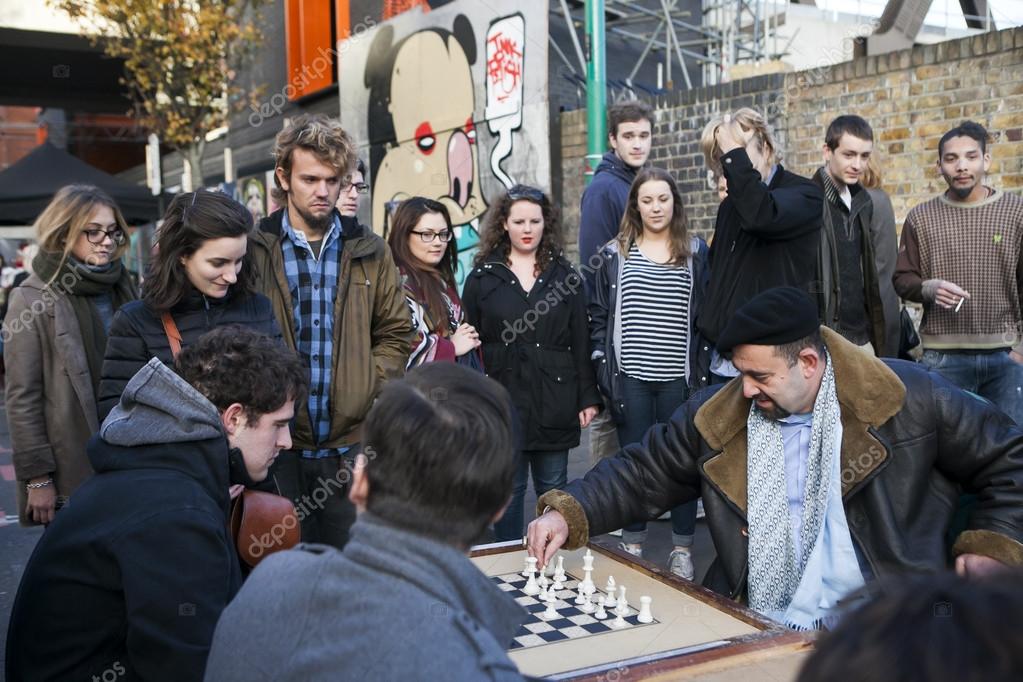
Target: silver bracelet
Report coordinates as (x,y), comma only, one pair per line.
(36,486)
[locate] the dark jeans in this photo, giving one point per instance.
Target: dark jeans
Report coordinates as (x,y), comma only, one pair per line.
(550,471)
(319,489)
(994,376)
(648,403)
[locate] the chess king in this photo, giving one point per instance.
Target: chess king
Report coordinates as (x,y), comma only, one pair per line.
(436,470)
(821,468)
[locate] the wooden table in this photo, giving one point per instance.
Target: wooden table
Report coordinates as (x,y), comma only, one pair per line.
(697,634)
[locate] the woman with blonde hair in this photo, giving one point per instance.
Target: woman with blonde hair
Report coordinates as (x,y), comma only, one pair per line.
(647,293)
(767,232)
(55,332)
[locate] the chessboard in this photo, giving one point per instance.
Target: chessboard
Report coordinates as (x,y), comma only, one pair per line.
(571,623)
(693,631)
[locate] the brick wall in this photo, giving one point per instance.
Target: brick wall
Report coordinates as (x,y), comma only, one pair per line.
(910,98)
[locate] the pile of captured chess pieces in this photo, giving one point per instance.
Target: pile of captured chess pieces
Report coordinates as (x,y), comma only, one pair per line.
(544,589)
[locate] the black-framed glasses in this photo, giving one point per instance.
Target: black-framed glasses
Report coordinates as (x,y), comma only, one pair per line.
(117,236)
(360,187)
(428,236)
(525,192)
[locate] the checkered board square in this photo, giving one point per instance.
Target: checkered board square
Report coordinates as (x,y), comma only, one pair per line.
(571,623)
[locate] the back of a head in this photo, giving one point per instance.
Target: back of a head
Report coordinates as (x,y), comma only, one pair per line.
(440,458)
(933,628)
(748,119)
(234,364)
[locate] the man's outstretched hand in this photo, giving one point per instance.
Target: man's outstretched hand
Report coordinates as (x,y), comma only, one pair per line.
(545,536)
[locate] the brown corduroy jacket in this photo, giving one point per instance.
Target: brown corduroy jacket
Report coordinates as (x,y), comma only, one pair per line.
(372,325)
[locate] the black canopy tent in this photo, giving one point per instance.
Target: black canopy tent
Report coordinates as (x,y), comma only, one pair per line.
(28,186)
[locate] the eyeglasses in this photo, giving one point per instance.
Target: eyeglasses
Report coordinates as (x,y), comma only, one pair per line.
(97,236)
(523,192)
(360,187)
(428,236)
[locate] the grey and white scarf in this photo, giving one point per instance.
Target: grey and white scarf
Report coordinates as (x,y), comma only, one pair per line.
(775,571)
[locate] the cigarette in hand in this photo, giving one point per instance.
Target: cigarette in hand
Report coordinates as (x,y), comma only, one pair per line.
(959,304)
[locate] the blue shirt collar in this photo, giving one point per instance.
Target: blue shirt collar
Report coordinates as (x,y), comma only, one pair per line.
(300,239)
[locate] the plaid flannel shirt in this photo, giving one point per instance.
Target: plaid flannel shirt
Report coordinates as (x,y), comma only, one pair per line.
(313,283)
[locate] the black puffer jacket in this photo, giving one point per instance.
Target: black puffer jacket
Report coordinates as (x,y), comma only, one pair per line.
(537,346)
(911,442)
(765,236)
(137,334)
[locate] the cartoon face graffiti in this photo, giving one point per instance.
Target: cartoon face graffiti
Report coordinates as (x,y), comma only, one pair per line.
(421,125)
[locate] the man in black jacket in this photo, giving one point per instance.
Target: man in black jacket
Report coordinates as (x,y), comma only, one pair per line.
(856,262)
(129,580)
(767,232)
(821,468)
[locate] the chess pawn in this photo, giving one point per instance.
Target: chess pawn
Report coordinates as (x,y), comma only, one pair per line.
(623,606)
(580,597)
(544,594)
(551,612)
(644,610)
(619,622)
(587,605)
(557,584)
(600,614)
(530,566)
(531,587)
(543,581)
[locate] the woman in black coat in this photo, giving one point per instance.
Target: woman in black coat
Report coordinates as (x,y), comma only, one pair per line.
(198,280)
(526,302)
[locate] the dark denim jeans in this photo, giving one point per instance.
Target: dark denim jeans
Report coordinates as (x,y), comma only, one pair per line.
(648,403)
(550,471)
(994,376)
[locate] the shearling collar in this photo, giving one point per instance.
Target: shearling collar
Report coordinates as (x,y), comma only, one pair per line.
(869,394)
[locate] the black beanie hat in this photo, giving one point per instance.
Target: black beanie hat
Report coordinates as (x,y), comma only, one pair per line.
(771,318)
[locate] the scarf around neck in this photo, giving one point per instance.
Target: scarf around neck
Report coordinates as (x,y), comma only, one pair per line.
(81,284)
(783,584)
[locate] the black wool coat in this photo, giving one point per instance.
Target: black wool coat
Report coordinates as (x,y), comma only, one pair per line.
(537,345)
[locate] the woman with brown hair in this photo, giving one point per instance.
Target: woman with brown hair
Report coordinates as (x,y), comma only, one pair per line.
(54,333)
(199,279)
(424,249)
(646,295)
(527,303)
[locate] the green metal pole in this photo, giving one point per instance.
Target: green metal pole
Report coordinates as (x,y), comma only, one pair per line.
(596,86)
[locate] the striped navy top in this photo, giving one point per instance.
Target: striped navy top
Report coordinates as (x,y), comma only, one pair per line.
(655,318)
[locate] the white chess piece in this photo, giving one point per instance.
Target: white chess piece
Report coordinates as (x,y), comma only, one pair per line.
(610,602)
(587,585)
(580,596)
(623,606)
(544,581)
(601,614)
(588,560)
(551,612)
(557,584)
(544,595)
(530,563)
(610,587)
(644,610)
(587,605)
(619,622)
(559,572)
(531,587)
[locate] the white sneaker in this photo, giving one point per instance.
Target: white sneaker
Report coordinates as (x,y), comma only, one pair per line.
(616,533)
(680,563)
(634,550)
(699,509)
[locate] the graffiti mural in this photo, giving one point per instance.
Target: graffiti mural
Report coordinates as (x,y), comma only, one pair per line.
(446,104)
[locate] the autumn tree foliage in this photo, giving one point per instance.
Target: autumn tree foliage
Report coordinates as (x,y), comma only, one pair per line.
(180,59)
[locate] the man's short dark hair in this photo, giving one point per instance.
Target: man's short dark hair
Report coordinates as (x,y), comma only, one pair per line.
(856,126)
(440,458)
(360,166)
(934,628)
(628,112)
(234,364)
(970,129)
(790,351)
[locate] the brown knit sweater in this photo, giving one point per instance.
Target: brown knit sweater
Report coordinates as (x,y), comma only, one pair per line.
(976,246)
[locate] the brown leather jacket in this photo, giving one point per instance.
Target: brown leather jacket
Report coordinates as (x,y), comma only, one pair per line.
(909,440)
(372,325)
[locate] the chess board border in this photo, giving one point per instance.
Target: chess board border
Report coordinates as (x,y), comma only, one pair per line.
(772,638)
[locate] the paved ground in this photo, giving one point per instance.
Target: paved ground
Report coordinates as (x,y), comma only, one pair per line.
(16,543)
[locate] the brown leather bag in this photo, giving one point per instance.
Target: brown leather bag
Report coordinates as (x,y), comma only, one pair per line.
(261,524)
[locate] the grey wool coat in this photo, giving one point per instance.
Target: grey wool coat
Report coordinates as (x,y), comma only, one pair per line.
(51,405)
